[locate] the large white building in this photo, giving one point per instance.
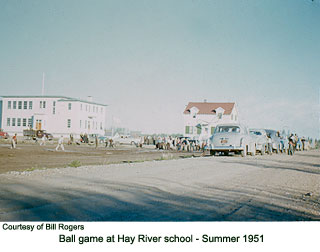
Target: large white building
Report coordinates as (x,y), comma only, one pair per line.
(201,118)
(58,115)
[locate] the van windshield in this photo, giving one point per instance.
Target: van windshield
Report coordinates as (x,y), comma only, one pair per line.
(227,129)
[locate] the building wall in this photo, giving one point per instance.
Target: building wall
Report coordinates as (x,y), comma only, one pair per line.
(58,116)
(207,122)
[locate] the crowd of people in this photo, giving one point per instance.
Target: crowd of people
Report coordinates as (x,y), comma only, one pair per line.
(288,144)
(174,143)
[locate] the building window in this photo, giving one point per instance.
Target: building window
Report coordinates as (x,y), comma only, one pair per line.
(42,104)
(219,115)
(69,106)
(198,130)
(24,122)
(8,121)
(13,121)
(187,129)
(85,126)
(54,108)
(69,123)
(25,105)
(212,130)
(101,110)
(80,124)
(30,122)
(9,104)
(30,104)
(14,104)
(20,105)
(80,106)
(19,122)
(101,125)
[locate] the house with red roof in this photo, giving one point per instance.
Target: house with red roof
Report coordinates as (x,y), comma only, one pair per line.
(201,118)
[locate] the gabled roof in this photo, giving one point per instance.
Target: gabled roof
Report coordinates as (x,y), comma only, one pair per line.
(210,107)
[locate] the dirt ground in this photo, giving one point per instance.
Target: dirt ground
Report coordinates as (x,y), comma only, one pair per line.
(225,188)
(31,156)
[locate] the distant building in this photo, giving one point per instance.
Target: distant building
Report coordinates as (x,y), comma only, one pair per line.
(201,118)
(58,115)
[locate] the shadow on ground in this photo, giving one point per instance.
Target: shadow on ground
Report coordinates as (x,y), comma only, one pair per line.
(105,200)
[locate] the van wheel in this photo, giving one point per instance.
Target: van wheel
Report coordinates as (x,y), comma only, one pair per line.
(244,152)
(253,152)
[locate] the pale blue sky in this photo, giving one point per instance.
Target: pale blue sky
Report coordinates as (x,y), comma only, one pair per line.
(148,59)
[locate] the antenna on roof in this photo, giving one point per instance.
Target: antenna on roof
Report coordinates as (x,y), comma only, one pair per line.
(42,93)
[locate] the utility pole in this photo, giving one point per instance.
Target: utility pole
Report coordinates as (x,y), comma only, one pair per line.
(42,93)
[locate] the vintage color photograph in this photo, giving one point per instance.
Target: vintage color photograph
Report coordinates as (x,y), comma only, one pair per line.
(179,111)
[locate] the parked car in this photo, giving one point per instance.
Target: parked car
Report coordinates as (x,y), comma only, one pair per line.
(36,134)
(276,141)
(261,139)
(92,138)
(3,134)
(126,139)
(231,138)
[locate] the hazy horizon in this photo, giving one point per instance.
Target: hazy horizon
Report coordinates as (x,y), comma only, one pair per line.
(147,59)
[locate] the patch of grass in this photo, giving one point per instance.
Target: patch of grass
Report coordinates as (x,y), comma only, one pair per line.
(75,164)
(31,169)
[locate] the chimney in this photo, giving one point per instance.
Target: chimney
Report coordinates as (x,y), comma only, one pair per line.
(89,99)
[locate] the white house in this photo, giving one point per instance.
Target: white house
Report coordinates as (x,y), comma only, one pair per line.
(201,118)
(58,115)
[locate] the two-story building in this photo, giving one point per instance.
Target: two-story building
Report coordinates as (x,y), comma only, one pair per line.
(58,115)
(201,118)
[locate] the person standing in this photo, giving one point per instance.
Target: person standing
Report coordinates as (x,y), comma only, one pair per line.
(43,140)
(291,145)
(14,141)
(60,144)
(303,141)
(96,140)
(269,145)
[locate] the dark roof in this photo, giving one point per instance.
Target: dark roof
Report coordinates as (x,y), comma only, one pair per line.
(210,107)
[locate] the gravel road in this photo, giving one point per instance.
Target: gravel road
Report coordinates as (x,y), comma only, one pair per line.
(260,188)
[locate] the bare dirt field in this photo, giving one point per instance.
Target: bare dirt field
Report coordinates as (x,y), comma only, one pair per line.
(260,188)
(31,156)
